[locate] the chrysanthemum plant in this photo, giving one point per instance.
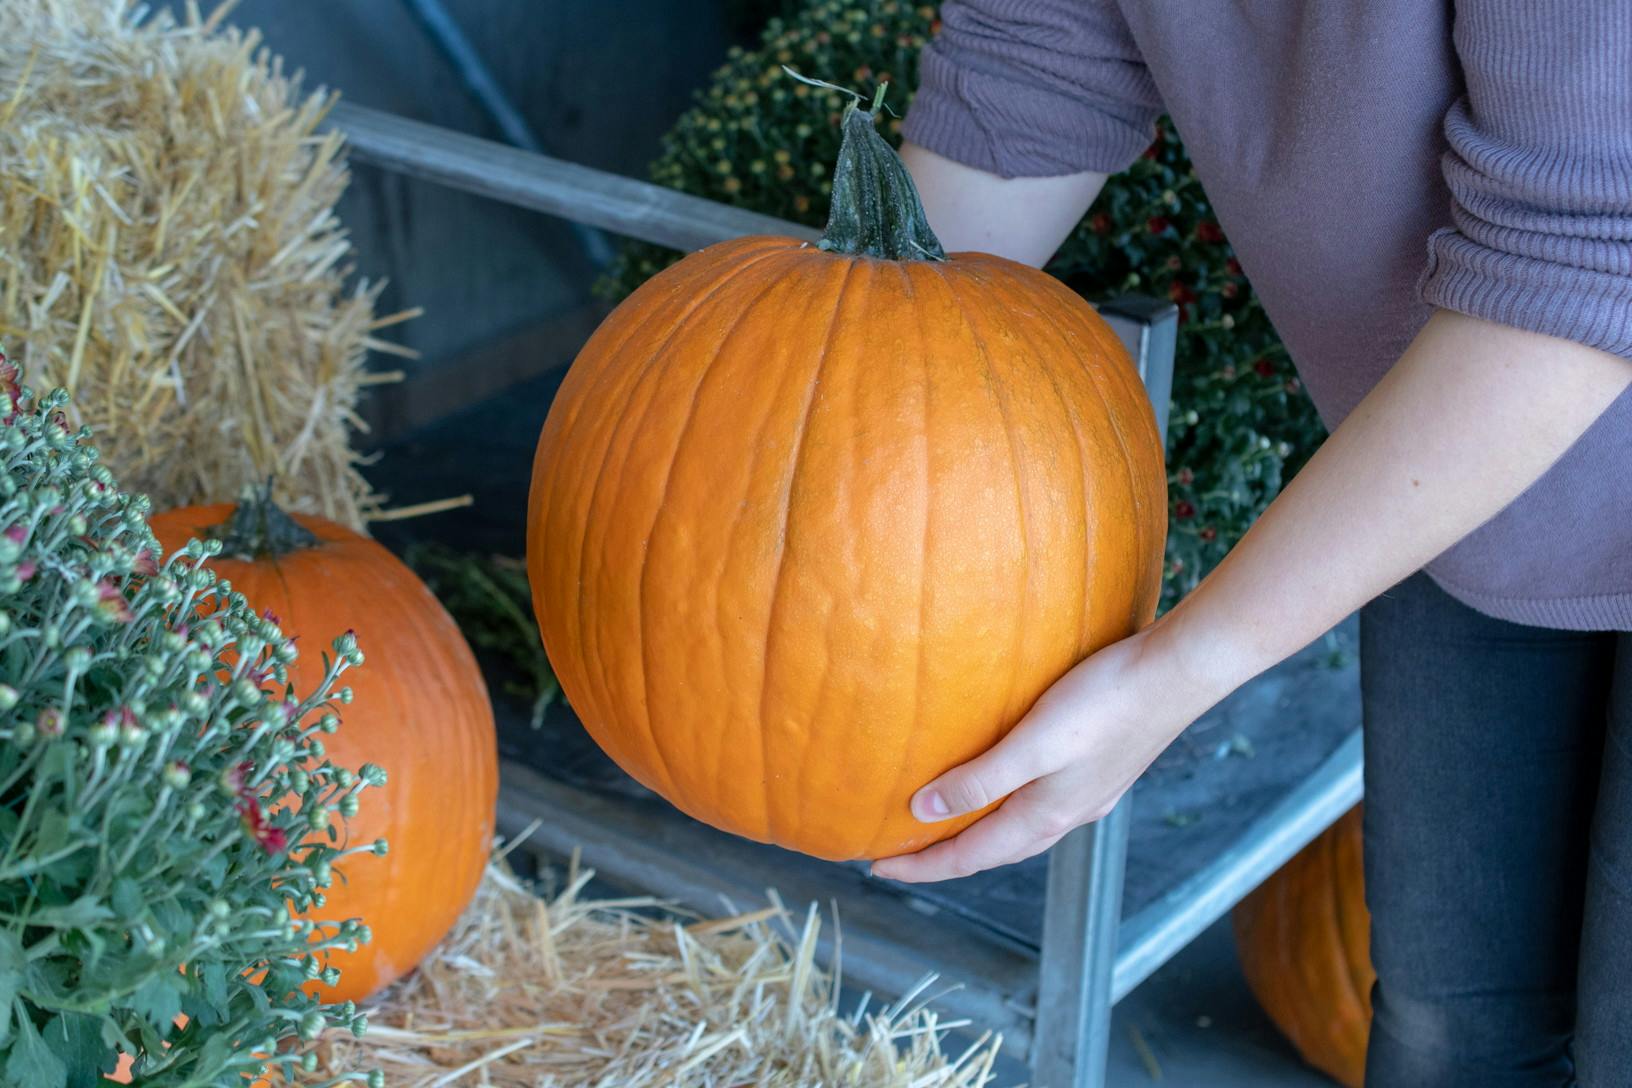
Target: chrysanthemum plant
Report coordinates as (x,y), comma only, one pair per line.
(168,819)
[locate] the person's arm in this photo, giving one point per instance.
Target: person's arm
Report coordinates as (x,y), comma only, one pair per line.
(1024,107)
(1470,416)
(1531,341)
(1023,219)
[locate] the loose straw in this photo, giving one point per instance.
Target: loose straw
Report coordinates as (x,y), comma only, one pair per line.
(571,992)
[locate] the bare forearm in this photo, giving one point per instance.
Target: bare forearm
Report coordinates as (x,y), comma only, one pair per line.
(1469,417)
(1024,219)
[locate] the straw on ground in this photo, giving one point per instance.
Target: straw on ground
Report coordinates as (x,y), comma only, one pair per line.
(572,992)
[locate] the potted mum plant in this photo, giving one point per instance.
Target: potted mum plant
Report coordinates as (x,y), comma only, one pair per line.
(167,815)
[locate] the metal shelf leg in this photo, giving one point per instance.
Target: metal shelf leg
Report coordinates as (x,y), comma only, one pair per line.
(1081,919)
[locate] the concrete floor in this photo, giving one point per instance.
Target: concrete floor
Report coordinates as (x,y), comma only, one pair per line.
(1194,1024)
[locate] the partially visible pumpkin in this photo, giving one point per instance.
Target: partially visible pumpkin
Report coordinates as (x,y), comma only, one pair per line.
(421,711)
(1303,938)
(811,524)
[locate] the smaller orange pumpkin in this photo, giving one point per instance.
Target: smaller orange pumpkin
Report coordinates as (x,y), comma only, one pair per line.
(421,711)
(1304,942)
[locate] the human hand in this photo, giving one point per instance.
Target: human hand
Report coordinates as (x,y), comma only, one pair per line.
(1066,763)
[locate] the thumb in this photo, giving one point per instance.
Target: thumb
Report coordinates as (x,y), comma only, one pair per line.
(981,782)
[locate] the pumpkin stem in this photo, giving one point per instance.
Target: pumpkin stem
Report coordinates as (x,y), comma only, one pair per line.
(876,211)
(259,529)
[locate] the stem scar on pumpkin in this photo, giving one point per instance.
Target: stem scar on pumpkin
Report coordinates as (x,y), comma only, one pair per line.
(876,210)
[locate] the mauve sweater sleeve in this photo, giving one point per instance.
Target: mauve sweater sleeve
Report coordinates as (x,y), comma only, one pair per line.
(1034,88)
(1540,171)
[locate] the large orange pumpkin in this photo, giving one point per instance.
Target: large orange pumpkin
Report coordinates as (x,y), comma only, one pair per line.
(420,710)
(811,524)
(1303,938)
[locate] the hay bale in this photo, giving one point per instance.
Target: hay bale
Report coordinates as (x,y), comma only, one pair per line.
(169,253)
(571,992)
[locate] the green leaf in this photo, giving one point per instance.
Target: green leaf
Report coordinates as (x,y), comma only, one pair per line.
(205,1002)
(126,898)
(12,964)
(54,833)
(32,1065)
(213,872)
(87,910)
(158,999)
(77,1040)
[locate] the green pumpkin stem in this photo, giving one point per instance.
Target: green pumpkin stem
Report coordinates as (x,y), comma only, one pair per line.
(259,529)
(876,211)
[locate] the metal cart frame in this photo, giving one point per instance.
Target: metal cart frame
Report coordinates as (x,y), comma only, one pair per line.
(1054,1003)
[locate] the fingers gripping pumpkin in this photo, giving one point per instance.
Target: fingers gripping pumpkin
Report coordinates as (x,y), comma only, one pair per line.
(810,524)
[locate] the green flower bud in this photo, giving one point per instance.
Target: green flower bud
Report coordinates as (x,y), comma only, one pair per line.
(381,848)
(311,1025)
(177,775)
(348,806)
(8,696)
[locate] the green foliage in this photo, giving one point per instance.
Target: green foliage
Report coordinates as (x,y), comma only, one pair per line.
(164,799)
(488,596)
(1240,424)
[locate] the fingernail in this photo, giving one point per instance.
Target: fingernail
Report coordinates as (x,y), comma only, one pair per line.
(933,806)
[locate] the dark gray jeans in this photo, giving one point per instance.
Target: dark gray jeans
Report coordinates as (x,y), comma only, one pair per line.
(1498,831)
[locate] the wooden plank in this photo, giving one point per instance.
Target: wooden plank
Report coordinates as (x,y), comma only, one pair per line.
(637,209)
(889,941)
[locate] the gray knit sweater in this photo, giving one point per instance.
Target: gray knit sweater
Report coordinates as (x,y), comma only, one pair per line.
(1370,162)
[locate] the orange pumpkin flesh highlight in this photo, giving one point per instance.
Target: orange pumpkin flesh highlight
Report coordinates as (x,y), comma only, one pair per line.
(808,529)
(421,711)
(1303,939)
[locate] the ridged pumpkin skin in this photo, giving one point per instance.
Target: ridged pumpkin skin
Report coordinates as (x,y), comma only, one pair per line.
(420,710)
(1303,938)
(808,529)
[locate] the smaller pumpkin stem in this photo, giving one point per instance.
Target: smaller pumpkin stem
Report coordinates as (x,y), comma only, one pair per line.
(259,528)
(876,211)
